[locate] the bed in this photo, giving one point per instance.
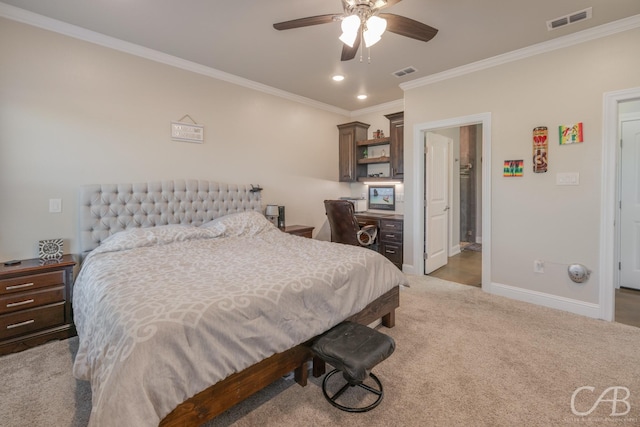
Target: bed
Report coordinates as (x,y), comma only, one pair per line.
(189,300)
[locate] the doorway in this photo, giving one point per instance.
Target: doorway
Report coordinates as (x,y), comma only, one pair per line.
(609,278)
(420,249)
(462,188)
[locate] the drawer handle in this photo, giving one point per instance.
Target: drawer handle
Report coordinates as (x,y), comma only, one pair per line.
(24,285)
(15,304)
(391,236)
(391,226)
(17,325)
(390,251)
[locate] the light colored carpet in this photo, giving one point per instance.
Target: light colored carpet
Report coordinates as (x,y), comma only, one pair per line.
(463,358)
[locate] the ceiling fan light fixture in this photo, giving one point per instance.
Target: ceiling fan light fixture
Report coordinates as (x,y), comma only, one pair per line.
(375,27)
(348,38)
(370,39)
(350,26)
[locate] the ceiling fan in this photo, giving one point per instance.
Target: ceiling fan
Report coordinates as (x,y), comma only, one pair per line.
(362,20)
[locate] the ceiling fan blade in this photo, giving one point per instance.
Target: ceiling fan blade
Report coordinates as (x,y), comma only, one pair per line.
(306,22)
(408,27)
(349,53)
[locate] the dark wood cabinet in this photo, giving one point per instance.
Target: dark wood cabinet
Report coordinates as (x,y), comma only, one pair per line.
(350,133)
(390,238)
(396,144)
(353,162)
(35,303)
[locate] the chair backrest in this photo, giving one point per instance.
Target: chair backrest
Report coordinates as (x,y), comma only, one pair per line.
(343,222)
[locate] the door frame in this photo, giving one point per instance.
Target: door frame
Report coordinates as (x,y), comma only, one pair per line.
(609,195)
(419,131)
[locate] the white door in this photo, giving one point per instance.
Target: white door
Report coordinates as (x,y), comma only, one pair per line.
(630,205)
(437,201)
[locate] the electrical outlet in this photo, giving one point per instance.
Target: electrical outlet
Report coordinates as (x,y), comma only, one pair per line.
(538,266)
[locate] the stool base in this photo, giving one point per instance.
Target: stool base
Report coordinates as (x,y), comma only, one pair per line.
(332,399)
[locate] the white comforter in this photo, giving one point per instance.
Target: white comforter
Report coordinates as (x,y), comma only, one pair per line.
(163,313)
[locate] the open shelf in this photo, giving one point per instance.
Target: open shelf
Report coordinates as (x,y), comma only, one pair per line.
(373,142)
(373,160)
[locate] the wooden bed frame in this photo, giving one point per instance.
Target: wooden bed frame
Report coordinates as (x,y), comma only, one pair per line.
(234,389)
(109,208)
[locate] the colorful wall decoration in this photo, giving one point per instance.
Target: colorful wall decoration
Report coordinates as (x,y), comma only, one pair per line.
(571,134)
(513,168)
(540,149)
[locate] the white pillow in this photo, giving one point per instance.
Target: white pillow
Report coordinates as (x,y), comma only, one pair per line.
(150,236)
(247,223)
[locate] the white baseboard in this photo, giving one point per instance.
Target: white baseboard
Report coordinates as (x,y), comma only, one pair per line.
(545,300)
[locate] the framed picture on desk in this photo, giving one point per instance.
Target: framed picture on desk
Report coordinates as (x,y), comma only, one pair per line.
(382,197)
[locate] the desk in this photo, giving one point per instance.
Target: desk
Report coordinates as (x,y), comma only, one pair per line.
(390,237)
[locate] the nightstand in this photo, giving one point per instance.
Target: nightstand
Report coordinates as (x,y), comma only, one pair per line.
(299,230)
(35,303)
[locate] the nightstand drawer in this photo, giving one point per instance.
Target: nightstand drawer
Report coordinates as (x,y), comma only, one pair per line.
(33,281)
(25,321)
(26,300)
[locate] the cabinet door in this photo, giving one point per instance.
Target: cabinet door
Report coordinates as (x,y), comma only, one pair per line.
(347,163)
(396,146)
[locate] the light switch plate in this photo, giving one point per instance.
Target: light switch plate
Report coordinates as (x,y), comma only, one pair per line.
(567,178)
(55,205)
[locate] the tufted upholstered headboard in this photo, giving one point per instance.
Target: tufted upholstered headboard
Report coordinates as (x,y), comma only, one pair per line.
(108,208)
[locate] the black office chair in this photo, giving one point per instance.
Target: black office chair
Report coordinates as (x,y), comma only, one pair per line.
(344,224)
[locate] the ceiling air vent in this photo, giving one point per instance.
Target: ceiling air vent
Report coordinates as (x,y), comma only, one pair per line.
(404,71)
(569,19)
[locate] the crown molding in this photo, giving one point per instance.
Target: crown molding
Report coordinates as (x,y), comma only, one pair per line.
(387,106)
(40,21)
(615,27)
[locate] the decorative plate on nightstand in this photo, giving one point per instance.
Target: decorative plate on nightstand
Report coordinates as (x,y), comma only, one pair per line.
(50,249)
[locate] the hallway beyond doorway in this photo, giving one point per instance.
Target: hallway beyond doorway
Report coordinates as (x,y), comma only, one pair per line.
(465,268)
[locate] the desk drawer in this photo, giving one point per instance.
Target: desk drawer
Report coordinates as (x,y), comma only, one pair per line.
(32,281)
(22,322)
(392,251)
(391,225)
(26,300)
(391,237)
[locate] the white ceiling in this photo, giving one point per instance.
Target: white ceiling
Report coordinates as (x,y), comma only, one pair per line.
(237,37)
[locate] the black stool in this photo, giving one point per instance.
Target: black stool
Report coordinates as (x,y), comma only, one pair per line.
(354,350)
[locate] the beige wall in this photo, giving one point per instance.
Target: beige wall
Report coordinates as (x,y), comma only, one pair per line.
(74,113)
(532,217)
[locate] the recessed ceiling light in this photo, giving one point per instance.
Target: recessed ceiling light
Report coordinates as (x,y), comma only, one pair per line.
(338,78)
(362,96)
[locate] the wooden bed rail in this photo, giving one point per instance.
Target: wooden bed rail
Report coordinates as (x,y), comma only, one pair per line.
(219,397)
